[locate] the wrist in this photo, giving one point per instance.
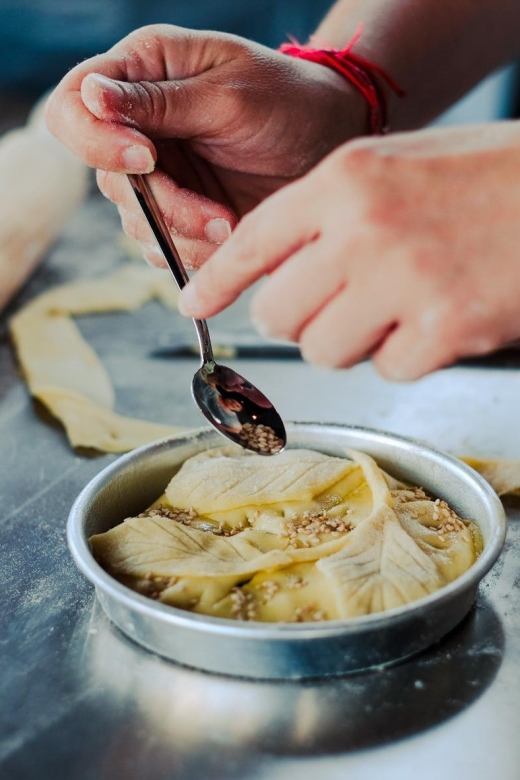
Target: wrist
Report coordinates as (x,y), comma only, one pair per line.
(349,111)
(364,75)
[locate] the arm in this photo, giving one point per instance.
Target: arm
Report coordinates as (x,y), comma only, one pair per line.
(436,50)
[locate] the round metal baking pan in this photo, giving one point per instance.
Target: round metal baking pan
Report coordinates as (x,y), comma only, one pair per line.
(284,651)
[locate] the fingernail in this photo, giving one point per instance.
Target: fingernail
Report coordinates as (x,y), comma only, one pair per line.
(188,301)
(218,230)
(105,83)
(95,89)
(138,159)
(317,359)
(261,327)
(153,256)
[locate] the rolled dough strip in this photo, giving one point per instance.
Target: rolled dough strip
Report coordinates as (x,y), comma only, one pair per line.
(502,475)
(64,372)
(91,425)
(41,184)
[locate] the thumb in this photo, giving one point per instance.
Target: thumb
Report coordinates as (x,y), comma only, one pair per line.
(99,119)
(158,109)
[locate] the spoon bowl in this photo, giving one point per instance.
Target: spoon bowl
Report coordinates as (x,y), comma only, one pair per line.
(238,410)
(235,407)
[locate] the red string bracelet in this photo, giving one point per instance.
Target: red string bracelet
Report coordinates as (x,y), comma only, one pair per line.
(360,72)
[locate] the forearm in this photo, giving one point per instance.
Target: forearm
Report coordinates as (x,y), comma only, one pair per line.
(435,49)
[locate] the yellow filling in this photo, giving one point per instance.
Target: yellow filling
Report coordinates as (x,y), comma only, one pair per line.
(301,537)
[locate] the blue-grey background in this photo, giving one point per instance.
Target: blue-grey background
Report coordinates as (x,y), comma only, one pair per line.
(41,39)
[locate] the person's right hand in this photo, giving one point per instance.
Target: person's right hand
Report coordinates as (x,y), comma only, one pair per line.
(403,248)
(221,121)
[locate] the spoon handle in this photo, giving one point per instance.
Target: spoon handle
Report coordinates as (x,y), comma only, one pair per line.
(156,221)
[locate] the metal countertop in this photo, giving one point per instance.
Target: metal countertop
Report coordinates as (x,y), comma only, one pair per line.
(79,701)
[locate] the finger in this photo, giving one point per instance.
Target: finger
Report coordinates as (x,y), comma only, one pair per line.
(80,112)
(185,213)
(405,355)
(193,253)
(266,237)
(347,329)
(165,109)
(153,255)
(296,291)
(435,336)
(98,143)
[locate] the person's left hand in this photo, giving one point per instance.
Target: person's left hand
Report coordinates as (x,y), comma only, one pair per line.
(406,248)
(216,121)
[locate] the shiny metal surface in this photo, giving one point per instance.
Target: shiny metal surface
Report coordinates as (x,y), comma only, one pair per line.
(228,401)
(284,651)
(79,701)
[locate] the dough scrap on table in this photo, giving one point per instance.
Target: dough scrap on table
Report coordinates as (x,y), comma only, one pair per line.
(314,538)
(502,475)
(41,185)
(64,372)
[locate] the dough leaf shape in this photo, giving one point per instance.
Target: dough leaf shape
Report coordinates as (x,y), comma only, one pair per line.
(380,566)
(167,548)
(227,479)
(395,556)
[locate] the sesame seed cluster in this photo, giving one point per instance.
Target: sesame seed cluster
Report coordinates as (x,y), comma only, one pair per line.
(309,613)
(152,585)
(304,530)
(244,604)
(190,517)
(222,530)
(184,516)
(450,521)
(411,494)
(261,438)
(294,581)
(270,588)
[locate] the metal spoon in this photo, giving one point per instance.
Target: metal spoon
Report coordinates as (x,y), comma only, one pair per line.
(231,404)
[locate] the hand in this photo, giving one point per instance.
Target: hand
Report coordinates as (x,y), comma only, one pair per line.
(223,123)
(405,248)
